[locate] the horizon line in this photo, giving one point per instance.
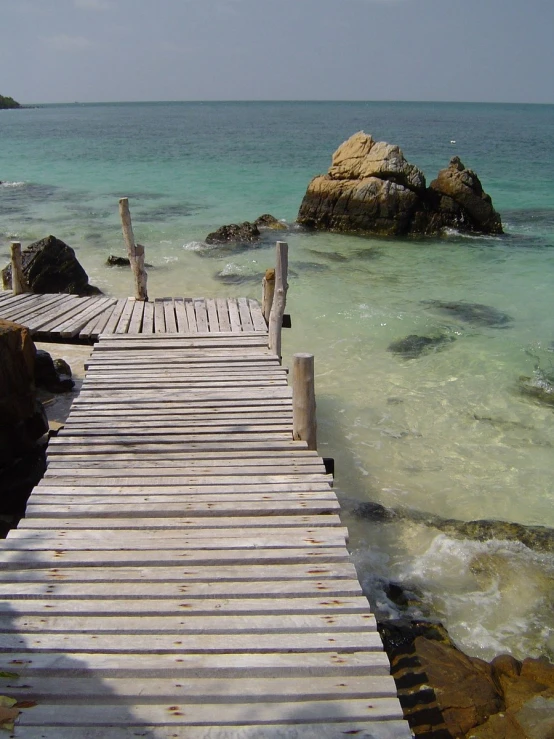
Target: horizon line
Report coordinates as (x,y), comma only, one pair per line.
(282,100)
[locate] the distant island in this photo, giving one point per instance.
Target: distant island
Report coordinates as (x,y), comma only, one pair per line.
(7,103)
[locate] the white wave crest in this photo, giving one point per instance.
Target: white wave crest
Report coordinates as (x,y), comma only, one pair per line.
(12,184)
(196,246)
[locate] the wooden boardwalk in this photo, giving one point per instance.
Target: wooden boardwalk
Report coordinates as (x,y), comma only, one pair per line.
(182,571)
(59,317)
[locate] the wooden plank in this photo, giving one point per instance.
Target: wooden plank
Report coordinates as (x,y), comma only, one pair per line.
(29,308)
(75,325)
(180,664)
(125,319)
(188,624)
(245,316)
(135,324)
(213,318)
(191,315)
(69,315)
(115,315)
(147,319)
(206,689)
(23,558)
(367,729)
(97,325)
(159,316)
(202,581)
(201,314)
(181,316)
(324,641)
(234,315)
(56,518)
(169,313)
(54,312)
(256,316)
(223,314)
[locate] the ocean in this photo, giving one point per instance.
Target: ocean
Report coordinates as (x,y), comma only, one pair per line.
(439,439)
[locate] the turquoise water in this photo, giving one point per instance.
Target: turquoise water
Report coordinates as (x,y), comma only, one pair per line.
(447,433)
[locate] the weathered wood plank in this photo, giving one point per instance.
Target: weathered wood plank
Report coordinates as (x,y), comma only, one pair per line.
(170,318)
(266,579)
(367,729)
(324,641)
(223,314)
(125,319)
(181,316)
(191,315)
(147,320)
(159,316)
(135,324)
(201,314)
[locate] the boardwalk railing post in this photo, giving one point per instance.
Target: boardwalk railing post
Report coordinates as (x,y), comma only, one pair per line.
(304,424)
(19,283)
(279,298)
(268,291)
(134,250)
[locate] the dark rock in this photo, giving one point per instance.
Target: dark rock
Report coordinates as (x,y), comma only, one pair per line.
(414,346)
(240,233)
(113,261)
(50,266)
(464,189)
(269,221)
(540,387)
(23,422)
(370,188)
(62,367)
(474,313)
(539,538)
(47,376)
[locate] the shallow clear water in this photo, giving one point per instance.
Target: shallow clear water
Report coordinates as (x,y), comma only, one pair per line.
(446,433)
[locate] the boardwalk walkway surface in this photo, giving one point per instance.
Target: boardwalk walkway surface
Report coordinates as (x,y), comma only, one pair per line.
(57,317)
(182,571)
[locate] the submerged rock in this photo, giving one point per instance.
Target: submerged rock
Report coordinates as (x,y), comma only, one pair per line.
(475,313)
(113,261)
(50,266)
(414,346)
(240,233)
(54,376)
(540,387)
(371,188)
(269,221)
(540,538)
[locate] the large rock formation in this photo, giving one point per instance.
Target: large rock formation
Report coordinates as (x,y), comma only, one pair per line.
(50,266)
(22,420)
(372,189)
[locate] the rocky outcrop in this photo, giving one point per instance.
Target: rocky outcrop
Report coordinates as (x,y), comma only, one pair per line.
(371,188)
(50,266)
(445,693)
(22,420)
(239,233)
(245,233)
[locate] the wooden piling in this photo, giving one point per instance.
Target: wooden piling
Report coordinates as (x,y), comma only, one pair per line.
(304,424)
(135,251)
(19,283)
(279,298)
(268,291)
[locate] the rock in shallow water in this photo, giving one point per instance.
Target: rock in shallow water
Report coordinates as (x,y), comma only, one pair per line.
(370,188)
(414,346)
(475,313)
(50,266)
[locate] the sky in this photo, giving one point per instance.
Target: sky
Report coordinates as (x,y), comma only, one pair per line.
(130,50)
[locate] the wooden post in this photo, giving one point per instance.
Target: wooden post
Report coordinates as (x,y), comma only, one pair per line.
(268,291)
(304,425)
(19,283)
(135,251)
(279,298)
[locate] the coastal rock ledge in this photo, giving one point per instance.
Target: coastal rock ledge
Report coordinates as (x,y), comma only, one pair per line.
(371,188)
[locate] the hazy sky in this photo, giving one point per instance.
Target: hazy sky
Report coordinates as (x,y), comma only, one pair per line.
(116,50)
